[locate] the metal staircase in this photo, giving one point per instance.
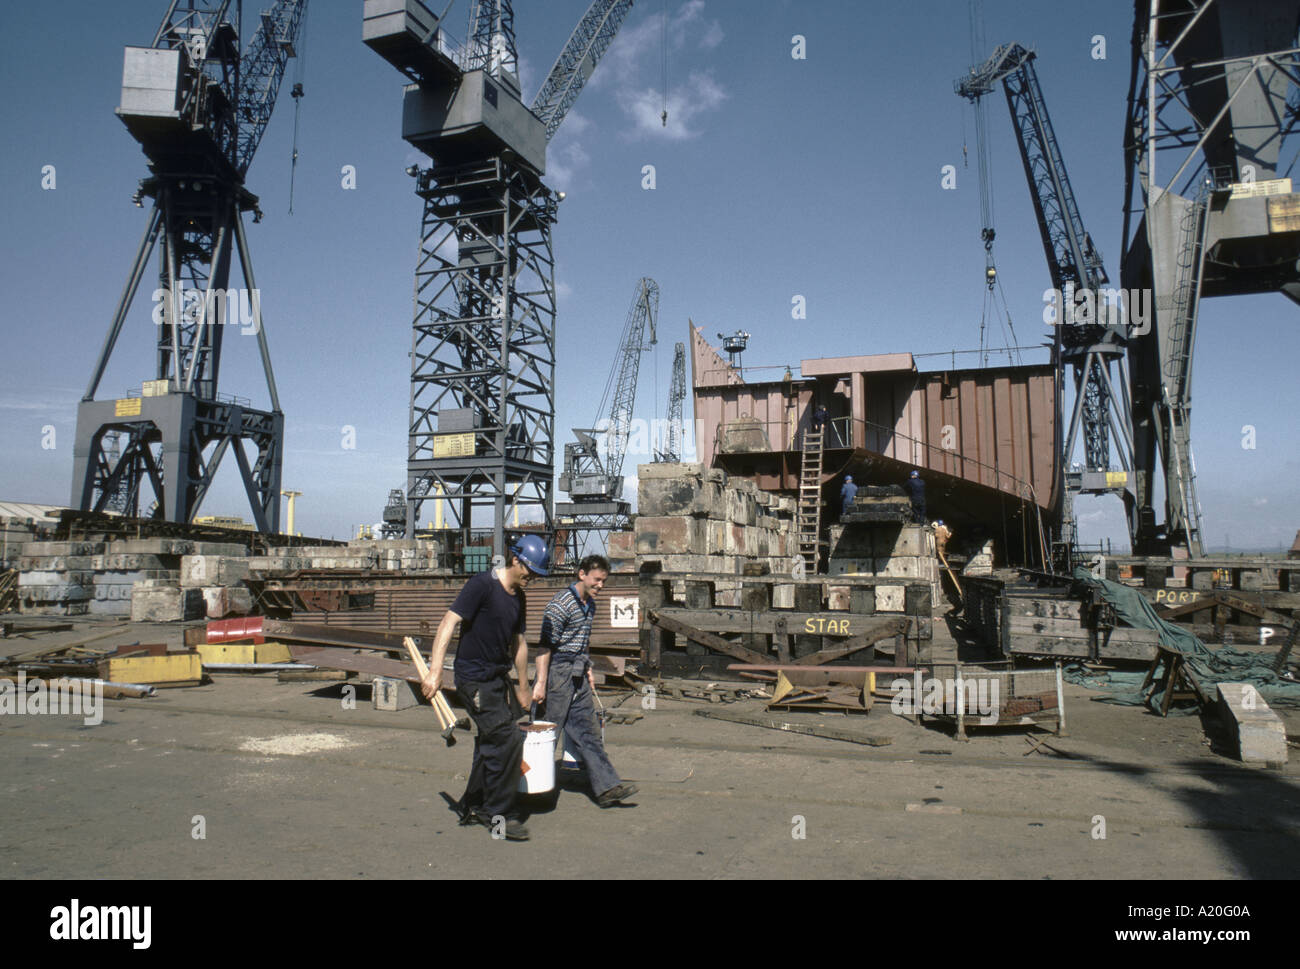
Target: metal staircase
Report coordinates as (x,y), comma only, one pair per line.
(810,500)
(1178,361)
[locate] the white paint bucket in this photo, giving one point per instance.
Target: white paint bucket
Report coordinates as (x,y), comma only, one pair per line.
(538,765)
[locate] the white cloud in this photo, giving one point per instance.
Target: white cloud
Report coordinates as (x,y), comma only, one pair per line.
(632,66)
(686,106)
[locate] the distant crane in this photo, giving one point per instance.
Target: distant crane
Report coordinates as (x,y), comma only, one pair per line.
(482,404)
(672,449)
(1086,338)
(595,487)
(199,109)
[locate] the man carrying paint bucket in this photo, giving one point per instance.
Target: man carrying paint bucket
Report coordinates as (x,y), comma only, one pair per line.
(493,609)
(565,683)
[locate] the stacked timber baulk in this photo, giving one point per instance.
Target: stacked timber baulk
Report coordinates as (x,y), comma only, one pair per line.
(1223,599)
(122,577)
(173,579)
(885,551)
(831,621)
(1023,614)
(390,554)
(694,520)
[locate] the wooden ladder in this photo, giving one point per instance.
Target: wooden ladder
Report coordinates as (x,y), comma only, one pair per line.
(810,500)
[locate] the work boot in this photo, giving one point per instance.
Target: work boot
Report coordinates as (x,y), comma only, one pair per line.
(516,830)
(618,792)
(473,814)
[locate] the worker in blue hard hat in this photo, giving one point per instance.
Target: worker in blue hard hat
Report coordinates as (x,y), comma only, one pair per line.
(492,607)
(916,490)
(847,495)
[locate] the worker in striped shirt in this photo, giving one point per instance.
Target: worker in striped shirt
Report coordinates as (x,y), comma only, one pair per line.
(565,683)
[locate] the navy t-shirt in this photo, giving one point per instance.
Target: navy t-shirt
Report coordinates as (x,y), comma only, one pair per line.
(491,618)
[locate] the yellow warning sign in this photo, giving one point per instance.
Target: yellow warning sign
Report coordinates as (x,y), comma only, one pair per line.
(453,445)
(1116,479)
(126,407)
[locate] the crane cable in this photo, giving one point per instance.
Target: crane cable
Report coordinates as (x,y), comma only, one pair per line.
(297,94)
(663,46)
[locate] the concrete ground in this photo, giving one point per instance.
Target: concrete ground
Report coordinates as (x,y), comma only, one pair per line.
(290,781)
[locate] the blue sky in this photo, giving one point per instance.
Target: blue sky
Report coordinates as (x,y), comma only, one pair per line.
(775,177)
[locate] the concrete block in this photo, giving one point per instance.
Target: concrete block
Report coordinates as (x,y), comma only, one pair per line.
(221,601)
(35,549)
(1203,580)
(669,469)
(838,597)
(31,580)
(909,540)
(161,603)
(152,546)
(198,571)
(667,496)
(391,694)
(716,475)
(851,567)
(890,598)
(918,600)
(670,536)
(220,548)
(904,567)
(1252,581)
(1258,732)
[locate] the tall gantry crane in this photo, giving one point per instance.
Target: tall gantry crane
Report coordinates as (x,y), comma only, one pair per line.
(1091,333)
(482,403)
(198,106)
(1209,210)
(672,449)
(595,487)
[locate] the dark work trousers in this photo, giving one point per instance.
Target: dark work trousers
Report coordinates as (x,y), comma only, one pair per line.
(498,747)
(572,708)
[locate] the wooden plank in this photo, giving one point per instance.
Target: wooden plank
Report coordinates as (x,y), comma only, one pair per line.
(818,669)
(339,659)
(1051,646)
(891,627)
(704,638)
(1044,607)
(796,623)
(1038,626)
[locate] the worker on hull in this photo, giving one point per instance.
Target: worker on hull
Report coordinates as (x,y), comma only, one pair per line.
(565,682)
(494,613)
(916,490)
(847,495)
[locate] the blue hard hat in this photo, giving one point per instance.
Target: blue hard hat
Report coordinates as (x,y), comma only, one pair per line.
(915,474)
(848,479)
(532,551)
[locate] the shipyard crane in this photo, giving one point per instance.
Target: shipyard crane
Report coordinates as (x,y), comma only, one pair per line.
(482,403)
(595,487)
(672,449)
(198,106)
(1090,336)
(1209,210)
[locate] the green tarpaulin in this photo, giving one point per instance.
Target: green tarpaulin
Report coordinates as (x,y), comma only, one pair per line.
(1208,667)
